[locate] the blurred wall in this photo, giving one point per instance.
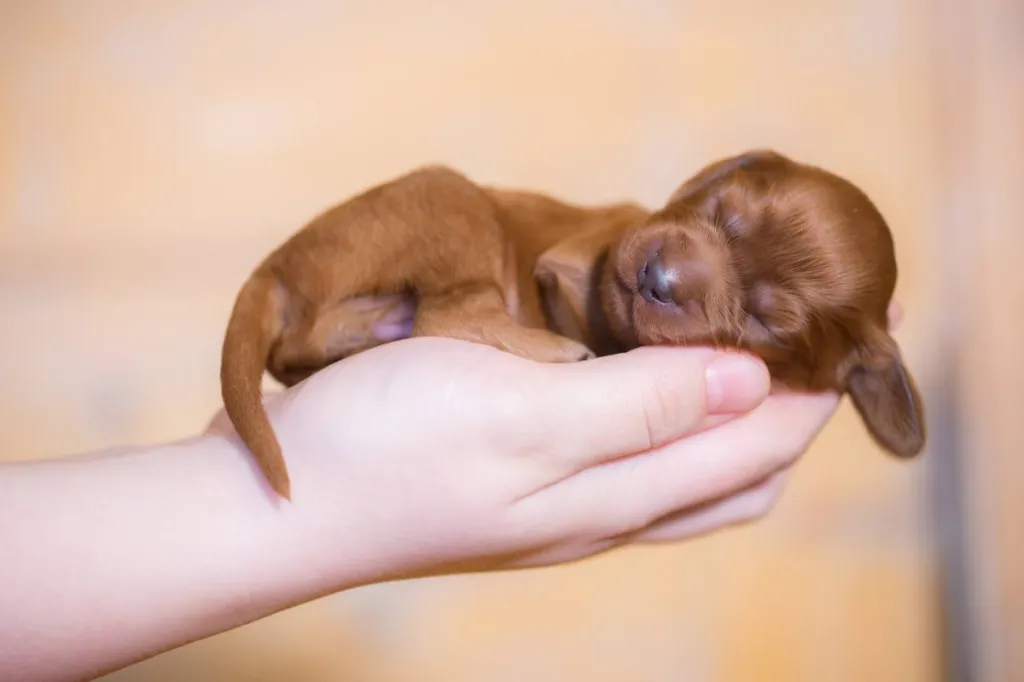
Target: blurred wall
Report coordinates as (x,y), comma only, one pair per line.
(151,153)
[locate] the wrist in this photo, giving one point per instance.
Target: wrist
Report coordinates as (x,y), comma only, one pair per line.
(268,554)
(167,544)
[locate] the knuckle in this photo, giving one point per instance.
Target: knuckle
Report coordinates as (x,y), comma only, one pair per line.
(663,411)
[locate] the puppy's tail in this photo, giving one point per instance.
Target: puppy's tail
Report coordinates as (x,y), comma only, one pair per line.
(254,326)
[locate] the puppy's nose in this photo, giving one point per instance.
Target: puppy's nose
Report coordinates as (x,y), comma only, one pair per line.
(676,281)
(654,281)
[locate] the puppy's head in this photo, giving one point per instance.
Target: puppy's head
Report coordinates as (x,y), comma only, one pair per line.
(782,259)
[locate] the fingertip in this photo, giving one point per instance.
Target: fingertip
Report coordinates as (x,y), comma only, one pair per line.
(628,402)
(895,314)
(735,382)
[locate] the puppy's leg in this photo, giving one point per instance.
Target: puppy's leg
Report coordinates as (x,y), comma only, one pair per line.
(352,326)
(478,313)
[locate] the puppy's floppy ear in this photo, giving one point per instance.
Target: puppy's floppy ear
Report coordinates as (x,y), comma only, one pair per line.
(721,168)
(886,397)
(568,277)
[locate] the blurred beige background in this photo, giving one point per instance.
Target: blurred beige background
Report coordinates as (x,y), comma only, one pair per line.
(152,152)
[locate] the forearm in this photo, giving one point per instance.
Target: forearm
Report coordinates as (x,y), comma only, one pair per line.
(160,545)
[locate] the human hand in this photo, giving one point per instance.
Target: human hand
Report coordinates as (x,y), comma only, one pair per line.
(441,456)
(420,457)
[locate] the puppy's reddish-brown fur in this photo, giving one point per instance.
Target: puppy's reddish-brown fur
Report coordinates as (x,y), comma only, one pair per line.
(757,252)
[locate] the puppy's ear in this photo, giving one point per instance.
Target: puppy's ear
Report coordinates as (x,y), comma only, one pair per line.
(568,277)
(886,397)
(721,168)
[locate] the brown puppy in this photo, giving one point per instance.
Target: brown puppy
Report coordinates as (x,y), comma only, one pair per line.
(756,252)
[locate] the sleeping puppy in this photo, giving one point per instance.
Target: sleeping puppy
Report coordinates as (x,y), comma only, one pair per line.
(756,252)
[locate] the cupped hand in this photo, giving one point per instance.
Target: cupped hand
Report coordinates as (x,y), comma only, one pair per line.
(440,456)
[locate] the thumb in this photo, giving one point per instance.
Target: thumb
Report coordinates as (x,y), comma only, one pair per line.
(598,410)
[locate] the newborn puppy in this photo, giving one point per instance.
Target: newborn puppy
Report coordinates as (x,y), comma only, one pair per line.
(779,258)
(756,252)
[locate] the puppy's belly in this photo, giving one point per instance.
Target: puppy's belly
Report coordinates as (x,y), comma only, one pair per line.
(374,319)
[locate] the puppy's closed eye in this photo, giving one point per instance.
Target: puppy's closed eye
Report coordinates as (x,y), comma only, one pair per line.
(734,226)
(762,302)
(777,311)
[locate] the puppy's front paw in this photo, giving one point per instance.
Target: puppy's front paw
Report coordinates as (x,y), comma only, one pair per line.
(568,350)
(586,354)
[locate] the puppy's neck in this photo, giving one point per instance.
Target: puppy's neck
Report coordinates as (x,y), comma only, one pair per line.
(598,333)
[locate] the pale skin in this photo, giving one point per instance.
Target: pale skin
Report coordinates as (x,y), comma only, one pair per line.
(499,463)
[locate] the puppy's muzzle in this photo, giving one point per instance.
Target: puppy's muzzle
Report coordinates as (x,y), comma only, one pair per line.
(676,278)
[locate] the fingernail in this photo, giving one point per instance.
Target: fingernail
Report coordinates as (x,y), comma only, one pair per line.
(735,383)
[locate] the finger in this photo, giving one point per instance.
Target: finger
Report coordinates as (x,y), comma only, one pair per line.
(731,457)
(726,459)
(591,412)
(750,504)
(743,507)
(634,492)
(895,315)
